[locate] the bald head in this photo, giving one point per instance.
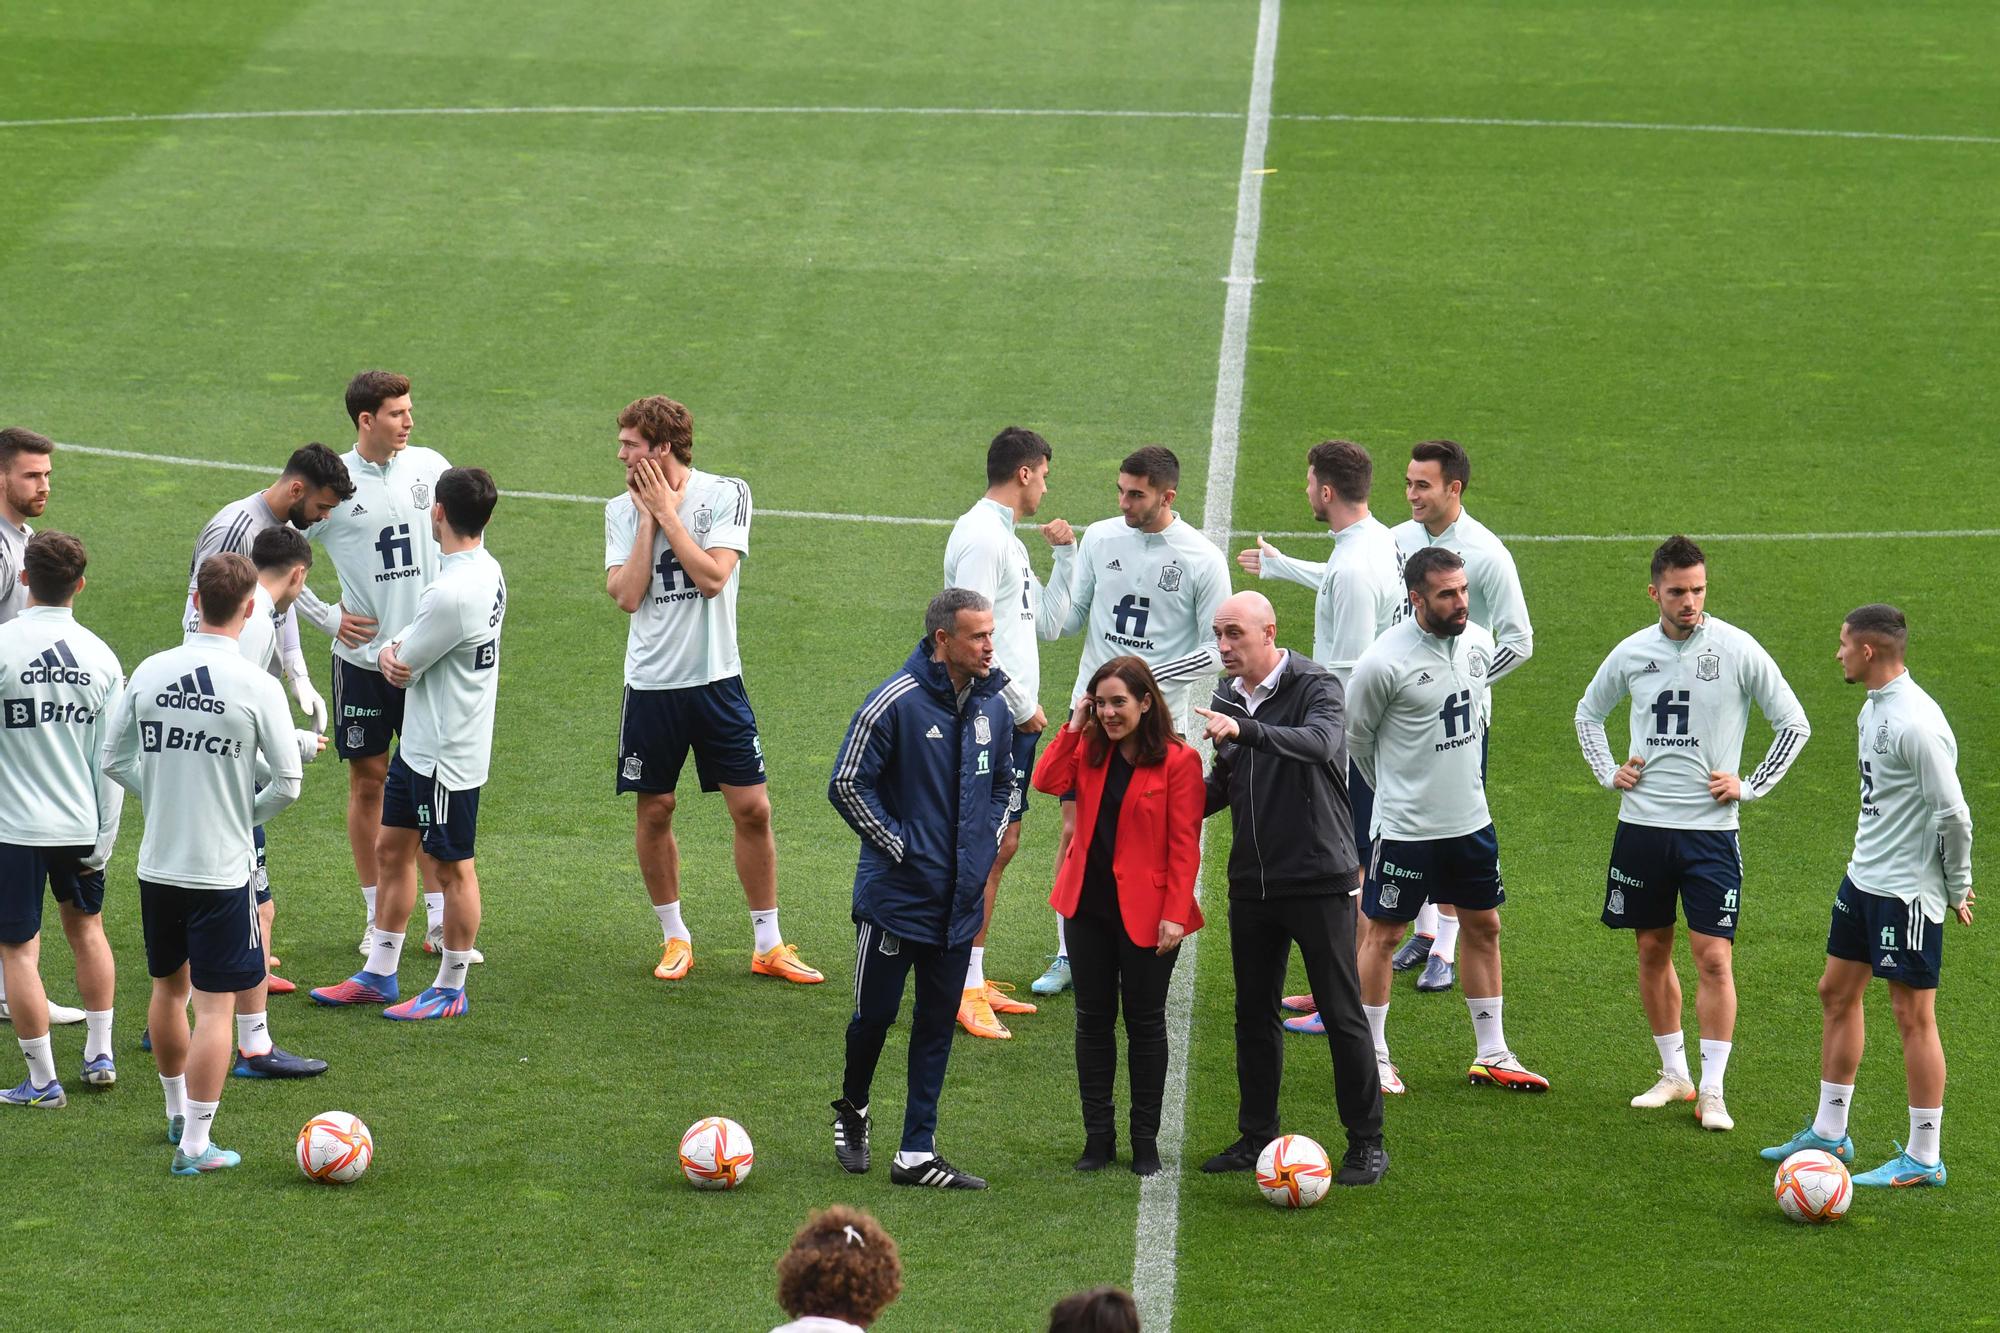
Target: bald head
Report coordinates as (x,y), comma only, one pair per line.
(1246,634)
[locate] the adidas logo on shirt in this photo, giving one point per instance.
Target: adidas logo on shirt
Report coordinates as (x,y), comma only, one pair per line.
(194,692)
(358,510)
(1650,669)
(934,734)
(1424,678)
(1115,565)
(56,666)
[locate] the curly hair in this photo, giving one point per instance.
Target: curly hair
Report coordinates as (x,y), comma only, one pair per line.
(661,421)
(841,1265)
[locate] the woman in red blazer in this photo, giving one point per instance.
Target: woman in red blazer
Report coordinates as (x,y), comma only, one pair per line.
(1126,890)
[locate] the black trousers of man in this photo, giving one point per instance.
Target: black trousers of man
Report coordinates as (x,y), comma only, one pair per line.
(882,965)
(1105,964)
(1261,934)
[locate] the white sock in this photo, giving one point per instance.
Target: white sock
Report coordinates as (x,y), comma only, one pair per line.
(1446,945)
(1673,1055)
(96,1033)
(1427,920)
(670,922)
(975,971)
(909,1159)
(1062,938)
(454,969)
(1925,1124)
(3,973)
(1487,1034)
(1714,1060)
(368,896)
(176,1090)
(1378,1026)
(253,1034)
(1835,1100)
(433,910)
(387,955)
(765,924)
(200,1125)
(41,1060)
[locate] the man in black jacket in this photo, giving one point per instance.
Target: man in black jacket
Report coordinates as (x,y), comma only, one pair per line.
(1281,769)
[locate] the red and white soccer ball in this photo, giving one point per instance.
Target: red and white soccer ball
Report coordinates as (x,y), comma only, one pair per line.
(335,1148)
(1813,1186)
(716,1154)
(1293,1171)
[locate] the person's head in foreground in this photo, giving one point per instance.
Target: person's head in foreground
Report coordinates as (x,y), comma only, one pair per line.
(841,1272)
(1099,1310)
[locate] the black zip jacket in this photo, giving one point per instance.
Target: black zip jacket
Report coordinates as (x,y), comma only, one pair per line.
(1284,780)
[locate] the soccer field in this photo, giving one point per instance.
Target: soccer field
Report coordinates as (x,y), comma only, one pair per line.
(1725,269)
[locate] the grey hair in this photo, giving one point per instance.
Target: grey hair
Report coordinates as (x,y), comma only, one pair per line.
(942,613)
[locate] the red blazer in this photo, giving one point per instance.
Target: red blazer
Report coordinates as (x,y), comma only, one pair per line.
(1158,858)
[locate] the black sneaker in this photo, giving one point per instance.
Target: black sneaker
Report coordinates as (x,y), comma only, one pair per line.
(276,1063)
(1413,953)
(850,1137)
(1364,1164)
(1238,1156)
(936,1173)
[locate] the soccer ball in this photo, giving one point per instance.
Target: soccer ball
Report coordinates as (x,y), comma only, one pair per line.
(1293,1172)
(716,1154)
(335,1148)
(1813,1186)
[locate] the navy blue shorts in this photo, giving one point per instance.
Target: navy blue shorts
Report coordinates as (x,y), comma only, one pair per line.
(1893,937)
(659,727)
(1026,744)
(448,820)
(1459,872)
(367,711)
(211,932)
(23,873)
(1652,867)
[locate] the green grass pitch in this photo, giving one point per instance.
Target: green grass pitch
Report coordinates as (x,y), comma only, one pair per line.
(1634,331)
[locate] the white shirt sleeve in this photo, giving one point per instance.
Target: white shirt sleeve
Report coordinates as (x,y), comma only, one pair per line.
(1353,620)
(278,748)
(1211,590)
(110,796)
(1787,716)
(1937,777)
(730,524)
(621,529)
(1508,611)
(1066,600)
(1598,700)
(1277,565)
(437,629)
(1367,698)
(324,616)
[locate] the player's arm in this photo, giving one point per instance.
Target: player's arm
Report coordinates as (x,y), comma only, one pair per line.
(1367,701)
(855,771)
(437,629)
(1066,598)
(709,569)
(1787,716)
(1937,778)
(628,555)
(1353,622)
(278,750)
(110,795)
(293,656)
(1268,562)
(119,758)
(1599,698)
(1004,784)
(1211,589)
(1513,637)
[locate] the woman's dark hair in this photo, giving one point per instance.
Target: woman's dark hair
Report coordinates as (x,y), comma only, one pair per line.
(1099,1310)
(1154,734)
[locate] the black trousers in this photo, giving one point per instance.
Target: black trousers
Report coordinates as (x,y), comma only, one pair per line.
(882,963)
(1105,965)
(1261,934)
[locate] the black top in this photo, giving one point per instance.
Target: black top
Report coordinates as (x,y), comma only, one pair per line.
(1100,885)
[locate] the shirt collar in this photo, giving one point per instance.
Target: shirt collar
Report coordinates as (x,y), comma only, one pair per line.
(1893,687)
(46,613)
(214,643)
(1353,527)
(1263,688)
(1004,512)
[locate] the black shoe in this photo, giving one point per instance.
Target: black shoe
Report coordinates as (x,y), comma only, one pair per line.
(276,1063)
(1413,953)
(1145,1157)
(850,1137)
(1364,1164)
(936,1173)
(1238,1156)
(1099,1151)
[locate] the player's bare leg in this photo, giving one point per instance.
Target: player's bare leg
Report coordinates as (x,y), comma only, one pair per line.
(1660,993)
(660,868)
(1374,955)
(96,985)
(1715,1015)
(28,1006)
(982,1001)
(365,777)
(1494,1061)
(1842,1031)
(757,867)
(1918,1160)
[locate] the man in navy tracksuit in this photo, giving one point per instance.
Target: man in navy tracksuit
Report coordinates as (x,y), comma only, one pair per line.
(925,778)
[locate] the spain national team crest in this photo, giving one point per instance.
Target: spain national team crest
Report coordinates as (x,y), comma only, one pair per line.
(356,738)
(1708,667)
(982,730)
(420,495)
(1882,739)
(632,768)
(1617,903)
(704,519)
(1170,578)
(1391,895)
(1476,663)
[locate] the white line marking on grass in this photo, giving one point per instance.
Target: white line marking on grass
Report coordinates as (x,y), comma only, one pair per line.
(918,521)
(1019,112)
(1154,1268)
